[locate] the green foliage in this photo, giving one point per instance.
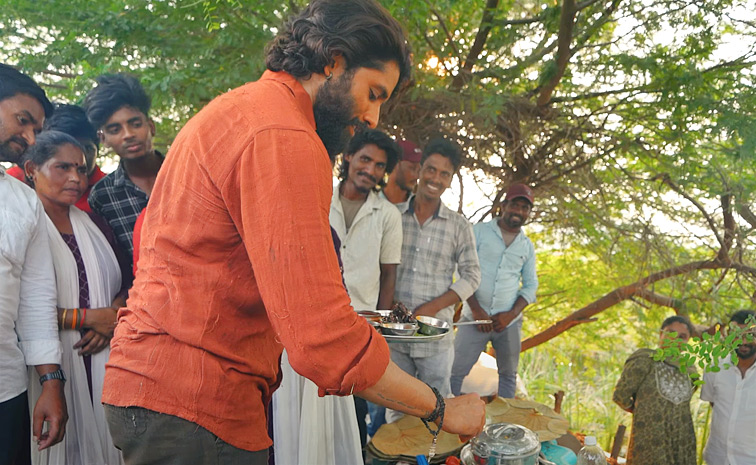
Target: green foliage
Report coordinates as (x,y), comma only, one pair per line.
(642,160)
(706,352)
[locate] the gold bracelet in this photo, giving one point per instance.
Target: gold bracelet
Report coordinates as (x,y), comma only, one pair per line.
(63,320)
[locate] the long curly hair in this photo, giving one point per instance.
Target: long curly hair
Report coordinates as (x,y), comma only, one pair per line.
(361,31)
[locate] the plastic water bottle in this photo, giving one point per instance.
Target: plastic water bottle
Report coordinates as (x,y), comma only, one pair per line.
(591,453)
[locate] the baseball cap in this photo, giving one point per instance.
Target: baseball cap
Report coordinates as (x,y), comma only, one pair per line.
(410,151)
(519,190)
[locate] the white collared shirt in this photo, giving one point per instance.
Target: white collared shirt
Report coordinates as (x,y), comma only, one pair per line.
(28,315)
(374,239)
(732,440)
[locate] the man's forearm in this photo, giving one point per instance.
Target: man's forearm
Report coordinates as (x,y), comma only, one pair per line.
(388,285)
(399,391)
(472,301)
(518,307)
(45,369)
(464,415)
(446,299)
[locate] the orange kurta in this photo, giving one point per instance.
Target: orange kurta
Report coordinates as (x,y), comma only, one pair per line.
(237,262)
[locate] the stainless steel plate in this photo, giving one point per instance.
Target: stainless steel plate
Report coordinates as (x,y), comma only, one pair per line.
(414,339)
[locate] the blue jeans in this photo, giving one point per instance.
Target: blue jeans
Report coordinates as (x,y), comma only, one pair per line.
(377,417)
(469,343)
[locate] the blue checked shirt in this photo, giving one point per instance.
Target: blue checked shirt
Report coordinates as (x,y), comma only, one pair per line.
(117,199)
(430,255)
(507,272)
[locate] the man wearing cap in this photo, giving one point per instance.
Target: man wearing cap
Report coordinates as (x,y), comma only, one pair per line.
(508,284)
(403,178)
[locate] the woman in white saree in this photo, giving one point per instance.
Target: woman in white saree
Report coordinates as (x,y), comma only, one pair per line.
(89,283)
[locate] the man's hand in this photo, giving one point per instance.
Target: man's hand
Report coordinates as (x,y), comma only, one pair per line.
(424,310)
(502,320)
(91,343)
(480,314)
(464,415)
(50,408)
(103,320)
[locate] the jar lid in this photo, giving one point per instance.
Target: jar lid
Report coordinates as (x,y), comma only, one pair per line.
(505,440)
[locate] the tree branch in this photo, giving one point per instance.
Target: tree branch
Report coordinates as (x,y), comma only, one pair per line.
(665,178)
(465,72)
(729,227)
(659,299)
(442,23)
(747,215)
(566,26)
(586,314)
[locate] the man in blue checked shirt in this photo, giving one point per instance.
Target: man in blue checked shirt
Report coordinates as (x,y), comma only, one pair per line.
(508,285)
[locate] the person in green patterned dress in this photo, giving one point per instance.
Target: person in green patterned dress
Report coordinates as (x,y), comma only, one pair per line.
(658,395)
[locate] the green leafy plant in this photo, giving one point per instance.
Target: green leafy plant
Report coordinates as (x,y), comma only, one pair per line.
(707,351)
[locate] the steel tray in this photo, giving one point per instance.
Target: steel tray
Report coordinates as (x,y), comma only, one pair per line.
(414,339)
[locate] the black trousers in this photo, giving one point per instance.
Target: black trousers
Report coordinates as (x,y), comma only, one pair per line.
(361,408)
(15,431)
(148,437)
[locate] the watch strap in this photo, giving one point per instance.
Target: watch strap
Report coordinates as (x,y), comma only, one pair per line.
(57,374)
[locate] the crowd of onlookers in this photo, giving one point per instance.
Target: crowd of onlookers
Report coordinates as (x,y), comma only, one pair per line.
(235,263)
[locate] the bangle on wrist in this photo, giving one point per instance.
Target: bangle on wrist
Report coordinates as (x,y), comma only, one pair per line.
(438,411)
(63,319)
(436,414)
(83,317)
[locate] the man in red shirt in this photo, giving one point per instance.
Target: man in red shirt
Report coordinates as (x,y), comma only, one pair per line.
(72,120)
(238,261)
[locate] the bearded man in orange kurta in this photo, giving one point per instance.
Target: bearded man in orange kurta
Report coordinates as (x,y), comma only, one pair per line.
(237,260)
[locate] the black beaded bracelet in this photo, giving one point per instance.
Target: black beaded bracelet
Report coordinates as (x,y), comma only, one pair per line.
(437,412)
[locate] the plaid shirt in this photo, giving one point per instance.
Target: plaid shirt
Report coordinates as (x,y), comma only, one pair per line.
(117,199)
(430,255)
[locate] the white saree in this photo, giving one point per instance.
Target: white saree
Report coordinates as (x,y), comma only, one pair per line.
(87,439)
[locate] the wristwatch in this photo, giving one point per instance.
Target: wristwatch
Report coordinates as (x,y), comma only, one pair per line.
(57,374)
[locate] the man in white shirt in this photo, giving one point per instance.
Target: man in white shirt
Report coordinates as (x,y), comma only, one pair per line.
(28,315)
(732,393)
(369,227)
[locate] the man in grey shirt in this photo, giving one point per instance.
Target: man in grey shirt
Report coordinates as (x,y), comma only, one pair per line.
(437,241)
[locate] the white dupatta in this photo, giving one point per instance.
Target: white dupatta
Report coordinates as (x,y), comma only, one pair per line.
(87,439)
(309,429)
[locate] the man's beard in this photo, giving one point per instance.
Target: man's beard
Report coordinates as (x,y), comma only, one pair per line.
(8,154)
(333,110)
(747,353)
(510,220)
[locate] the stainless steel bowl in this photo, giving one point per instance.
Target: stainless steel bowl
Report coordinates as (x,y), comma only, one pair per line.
(432,326)
(399,329)
(373,317)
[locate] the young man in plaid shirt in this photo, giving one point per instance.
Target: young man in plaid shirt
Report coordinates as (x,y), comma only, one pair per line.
(118,108)
(436,243)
